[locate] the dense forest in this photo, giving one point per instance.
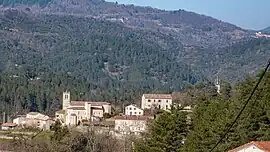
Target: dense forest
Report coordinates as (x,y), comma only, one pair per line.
(115,61)
(46,54)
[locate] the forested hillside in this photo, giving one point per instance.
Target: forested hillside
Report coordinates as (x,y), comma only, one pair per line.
(210,119)
(111,62)
(232,63)
(117,52)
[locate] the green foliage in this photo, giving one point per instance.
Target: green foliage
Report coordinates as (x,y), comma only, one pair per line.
(60,132)
(167,133)
(212,117)
(20,94)
(96,60)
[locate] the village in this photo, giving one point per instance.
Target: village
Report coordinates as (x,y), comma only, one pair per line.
(76,114)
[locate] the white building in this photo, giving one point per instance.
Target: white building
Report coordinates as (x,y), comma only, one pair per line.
(133,110)
(160,101)
(131,124)
(74,112)
(8,126)
(254,146)
(35,120)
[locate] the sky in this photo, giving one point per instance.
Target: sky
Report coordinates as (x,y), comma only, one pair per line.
(248,14)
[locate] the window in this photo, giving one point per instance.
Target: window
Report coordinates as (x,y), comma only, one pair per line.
(130,108)
(149,100)
(134,108)
(135,113)
(139,113)
(130,113)
(166,106)
(159,100)
(167,101)
(159,107)
(154,100)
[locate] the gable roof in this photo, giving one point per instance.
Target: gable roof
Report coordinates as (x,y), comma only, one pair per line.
(77,103)
(157,96)
(131,117)
(82,103)
(8,124)
(133,105)
(263,145)
(77,108)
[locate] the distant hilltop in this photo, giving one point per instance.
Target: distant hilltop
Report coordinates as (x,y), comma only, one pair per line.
(260,34)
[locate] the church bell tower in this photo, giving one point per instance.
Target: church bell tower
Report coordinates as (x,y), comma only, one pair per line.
(66,100)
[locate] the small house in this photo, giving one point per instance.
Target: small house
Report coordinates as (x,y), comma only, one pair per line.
(8,126)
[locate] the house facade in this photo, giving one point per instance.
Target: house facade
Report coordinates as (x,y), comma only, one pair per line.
(160,101)
(35,120)
(131,124)
(254,146)
(133,110)
(8,126)
(74,112)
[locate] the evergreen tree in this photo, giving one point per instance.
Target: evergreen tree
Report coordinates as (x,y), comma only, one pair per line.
(167,133)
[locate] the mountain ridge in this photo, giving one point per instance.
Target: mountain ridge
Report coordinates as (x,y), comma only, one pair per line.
(267,30)
(191,29)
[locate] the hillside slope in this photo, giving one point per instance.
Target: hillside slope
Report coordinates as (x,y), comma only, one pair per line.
(106,54)
(191,29)
(266,30)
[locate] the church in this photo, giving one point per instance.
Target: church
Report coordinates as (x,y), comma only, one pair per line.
(74,112)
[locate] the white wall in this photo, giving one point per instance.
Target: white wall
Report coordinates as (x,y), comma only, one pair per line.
(98,113)
(80,115)
(133,111)
(66,100)
(107,109)
(126,126)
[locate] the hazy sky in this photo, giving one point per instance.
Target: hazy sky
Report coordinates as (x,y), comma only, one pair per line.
(251,14)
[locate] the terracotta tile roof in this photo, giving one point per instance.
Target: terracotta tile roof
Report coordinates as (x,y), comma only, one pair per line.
(157,96)
(263,145)
(8,124)
(99,103)
(77,108)
(77,103)
(82,103)
(131,117)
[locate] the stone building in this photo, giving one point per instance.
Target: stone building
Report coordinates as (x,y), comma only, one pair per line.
(160,101)
(35,120)
(131,124)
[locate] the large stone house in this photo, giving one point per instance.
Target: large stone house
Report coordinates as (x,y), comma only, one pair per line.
(133,110)
(131,124)
(35,120)
(160,101)
(74,112)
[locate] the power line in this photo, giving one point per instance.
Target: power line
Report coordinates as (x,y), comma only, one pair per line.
(248,100)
